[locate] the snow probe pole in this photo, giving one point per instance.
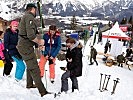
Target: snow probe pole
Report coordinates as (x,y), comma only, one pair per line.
(39,5)
(100,81)
(115,84)
(46,78)
(107,82)
(104,82)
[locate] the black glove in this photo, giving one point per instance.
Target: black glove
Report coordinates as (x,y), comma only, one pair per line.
(4,61)
(50,61)
(36,45)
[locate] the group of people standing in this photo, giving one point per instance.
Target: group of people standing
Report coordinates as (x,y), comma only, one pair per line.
(20,42)
(122,58)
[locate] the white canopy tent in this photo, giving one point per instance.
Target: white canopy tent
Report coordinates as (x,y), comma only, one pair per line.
(113,35)
(115,32)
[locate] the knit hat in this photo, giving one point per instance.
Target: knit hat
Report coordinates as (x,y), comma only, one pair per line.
(14,23)
(30,5)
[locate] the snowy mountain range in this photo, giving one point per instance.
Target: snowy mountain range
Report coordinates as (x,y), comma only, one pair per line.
(117,9)
(66,8)
(96,8)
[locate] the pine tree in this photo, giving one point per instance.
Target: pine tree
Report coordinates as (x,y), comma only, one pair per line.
(124,21)
(73,23)
(130,20)
(109,24)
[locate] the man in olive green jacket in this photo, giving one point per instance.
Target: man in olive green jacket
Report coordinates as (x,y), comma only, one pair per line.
(27,39)
(121,59)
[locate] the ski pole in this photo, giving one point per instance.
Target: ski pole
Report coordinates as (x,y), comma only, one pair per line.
(115,84)
(100,81)
(107,82)
(46,79)
(104,82)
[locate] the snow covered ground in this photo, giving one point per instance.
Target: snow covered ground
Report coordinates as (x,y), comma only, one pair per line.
(88,83)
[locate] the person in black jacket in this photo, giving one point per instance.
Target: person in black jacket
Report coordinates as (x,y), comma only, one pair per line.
(128,52)
(93,54)
(74,65)
(107,46)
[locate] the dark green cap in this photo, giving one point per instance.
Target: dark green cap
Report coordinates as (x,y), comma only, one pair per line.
(30,5)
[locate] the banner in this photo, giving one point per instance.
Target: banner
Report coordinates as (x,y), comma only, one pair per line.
(116,47)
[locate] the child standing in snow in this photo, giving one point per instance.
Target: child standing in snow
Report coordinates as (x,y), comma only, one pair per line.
(52,45)
(10,43)
(74,65)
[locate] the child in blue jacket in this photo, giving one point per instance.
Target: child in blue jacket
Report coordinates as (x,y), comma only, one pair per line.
(52,45)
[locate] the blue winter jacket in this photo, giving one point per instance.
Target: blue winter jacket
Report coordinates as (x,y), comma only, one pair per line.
(55,45)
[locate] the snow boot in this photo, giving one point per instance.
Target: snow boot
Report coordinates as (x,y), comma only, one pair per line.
(74,89)
(96,63)
(52,81)
(91,63)
(32,86)
(42,94)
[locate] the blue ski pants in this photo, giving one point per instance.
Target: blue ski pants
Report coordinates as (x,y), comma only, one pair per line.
(20,68)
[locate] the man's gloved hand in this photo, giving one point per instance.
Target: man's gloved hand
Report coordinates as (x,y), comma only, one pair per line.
(50,61)
(51,57)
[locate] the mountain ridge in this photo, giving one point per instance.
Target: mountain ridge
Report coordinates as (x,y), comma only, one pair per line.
(106,8)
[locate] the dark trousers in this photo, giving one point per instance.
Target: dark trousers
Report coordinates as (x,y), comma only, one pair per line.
(7,68)
(105,50)
(64,81)
(120,64)
(8,65)
(94,60)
